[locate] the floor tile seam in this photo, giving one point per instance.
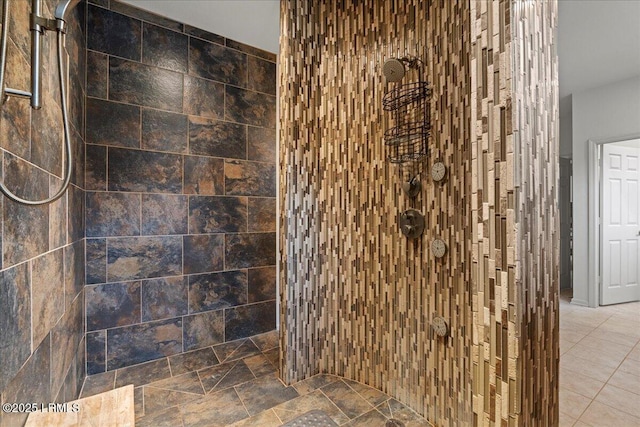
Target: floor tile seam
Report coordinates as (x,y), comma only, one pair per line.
(216,384)
(236,349)
(611,354)
(360,395)
(609,340)
(625,373)
(584,412)
(243,405)
(584,395)
(586,373)
(609,406)
(333,403)
(177,391)
(231,386)
(585,408)
(276,414)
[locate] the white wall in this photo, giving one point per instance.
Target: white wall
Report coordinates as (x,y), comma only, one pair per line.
(606,112)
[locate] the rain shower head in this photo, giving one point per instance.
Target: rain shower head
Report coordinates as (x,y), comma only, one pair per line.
(393,70)
(64,7)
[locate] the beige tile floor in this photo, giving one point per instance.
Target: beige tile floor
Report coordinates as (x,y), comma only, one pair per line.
(236,384)
(599,365)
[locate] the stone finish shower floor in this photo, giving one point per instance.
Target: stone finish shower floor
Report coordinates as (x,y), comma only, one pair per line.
(236,384)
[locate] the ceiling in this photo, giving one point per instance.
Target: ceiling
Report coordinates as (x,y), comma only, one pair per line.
(598,43)
(253,22)
(598,40)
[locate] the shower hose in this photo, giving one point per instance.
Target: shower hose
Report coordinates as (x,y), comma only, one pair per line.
(63,100)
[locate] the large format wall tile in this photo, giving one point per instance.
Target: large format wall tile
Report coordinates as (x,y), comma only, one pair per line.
(217,138)
(47,293)
(250,178)
(203,253)
(213,214)
(74,271)
(40,276)
(262,214)
(160,202)
(65,339)
(250,250)
(96,352)
(46,137)
(261,143)
(96,261)
(130,258)
(164,48)
(15,318)
(164,214)
(112,304)
(214,291)
(132,170)
(216,62)
(114,33)
(247,320)
(163,131)
(203,175)
(164,298)
(97,70)
(262,284)
(144,85)
(253,108)
(203,330)
(203,97)
(130,345)
(112,214)
(101,117)
(96,167)
(25,228)
(262,75)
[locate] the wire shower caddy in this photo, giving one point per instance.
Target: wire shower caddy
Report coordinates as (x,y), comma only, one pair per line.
(408,105)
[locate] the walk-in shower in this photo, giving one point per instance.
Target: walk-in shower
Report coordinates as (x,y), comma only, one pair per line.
(38,26)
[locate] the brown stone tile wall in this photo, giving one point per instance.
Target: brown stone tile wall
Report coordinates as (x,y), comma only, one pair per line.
(181,188)
(42,254)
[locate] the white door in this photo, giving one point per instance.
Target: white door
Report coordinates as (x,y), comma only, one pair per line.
(620,224)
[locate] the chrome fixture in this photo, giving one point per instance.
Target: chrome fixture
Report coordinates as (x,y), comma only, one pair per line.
(39,25)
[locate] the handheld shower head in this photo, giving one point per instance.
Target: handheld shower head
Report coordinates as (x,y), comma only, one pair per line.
(64,7)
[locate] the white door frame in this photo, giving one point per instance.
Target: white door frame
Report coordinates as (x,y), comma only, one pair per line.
(593,240)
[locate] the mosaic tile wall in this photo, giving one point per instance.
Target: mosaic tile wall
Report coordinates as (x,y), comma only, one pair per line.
(180,204)
(515,243)
(358,297)
(42,256)
(536,155)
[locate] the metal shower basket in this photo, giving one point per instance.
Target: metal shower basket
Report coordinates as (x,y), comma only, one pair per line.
(408,104)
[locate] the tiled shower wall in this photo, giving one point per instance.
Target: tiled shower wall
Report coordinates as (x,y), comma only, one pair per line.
(180,174)
(358,299)
(42,261)
(515,242)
